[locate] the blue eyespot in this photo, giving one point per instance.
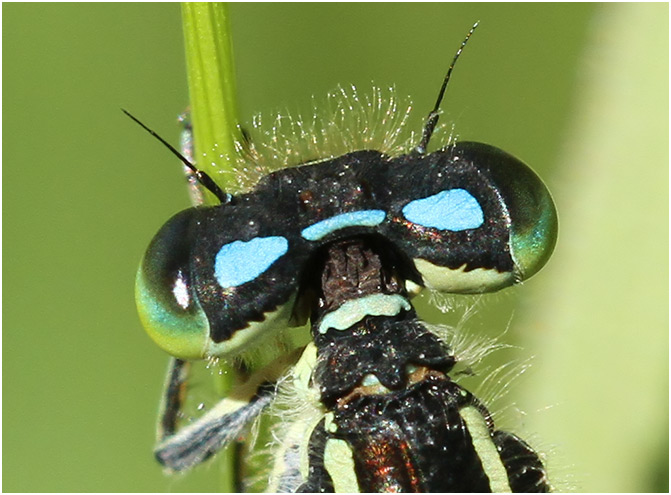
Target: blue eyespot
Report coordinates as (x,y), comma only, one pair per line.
(242,261)
(365,218)
(453,209)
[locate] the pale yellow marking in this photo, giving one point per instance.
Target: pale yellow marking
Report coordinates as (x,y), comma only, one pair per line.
(302,373)
(412,288)
(339,463)
(486,450)
(297,436)
(329,425)
(304,368)
(242,339)
(356,310)
(295,431)
(460,281)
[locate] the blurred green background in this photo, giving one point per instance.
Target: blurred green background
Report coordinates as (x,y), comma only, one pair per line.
(578,91)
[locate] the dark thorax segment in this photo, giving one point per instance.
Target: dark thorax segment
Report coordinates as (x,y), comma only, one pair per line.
(382,346)
(424,444)
(360,284)
(383,376)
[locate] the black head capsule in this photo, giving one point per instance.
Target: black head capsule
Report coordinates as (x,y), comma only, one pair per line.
(506,214)
(482,220)
(468,218)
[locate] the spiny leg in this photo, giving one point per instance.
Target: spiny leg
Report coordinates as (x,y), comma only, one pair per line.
(173,397)
(180,449)
(213,431)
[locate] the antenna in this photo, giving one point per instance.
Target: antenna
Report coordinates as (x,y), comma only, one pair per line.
(204,179)
(432,118)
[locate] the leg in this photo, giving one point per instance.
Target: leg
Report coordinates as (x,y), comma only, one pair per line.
(210,433)
(180,449)
(525,470)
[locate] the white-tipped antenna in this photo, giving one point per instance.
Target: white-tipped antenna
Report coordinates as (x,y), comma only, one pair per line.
(432,118)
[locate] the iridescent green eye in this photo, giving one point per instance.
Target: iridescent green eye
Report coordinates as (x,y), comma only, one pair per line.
(532,214)
(533,233)
(165,295)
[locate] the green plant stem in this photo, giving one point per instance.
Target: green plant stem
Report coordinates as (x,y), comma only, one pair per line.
(214,117)
(212,89)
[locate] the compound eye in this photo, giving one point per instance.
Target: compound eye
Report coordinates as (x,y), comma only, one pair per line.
(532,215)
(164,293)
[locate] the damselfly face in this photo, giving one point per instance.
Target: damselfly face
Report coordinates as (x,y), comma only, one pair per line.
(467,219)
(368,405)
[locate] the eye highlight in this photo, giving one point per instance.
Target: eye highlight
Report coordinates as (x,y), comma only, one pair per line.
(180,290)
(240,262)
(165,292)
(452,209)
